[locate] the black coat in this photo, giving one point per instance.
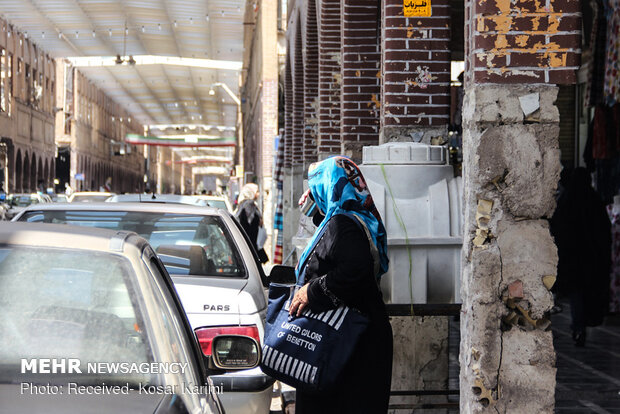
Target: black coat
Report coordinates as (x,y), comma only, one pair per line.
(341,270)
(250,218)
(582,232)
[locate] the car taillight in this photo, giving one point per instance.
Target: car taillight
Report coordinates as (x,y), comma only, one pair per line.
(205,335)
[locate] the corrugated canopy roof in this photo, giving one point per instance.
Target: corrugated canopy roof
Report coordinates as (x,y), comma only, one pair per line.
(153,93)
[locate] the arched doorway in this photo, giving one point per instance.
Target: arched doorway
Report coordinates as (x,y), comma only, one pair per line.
(25,185)
(17,183)
(33,173)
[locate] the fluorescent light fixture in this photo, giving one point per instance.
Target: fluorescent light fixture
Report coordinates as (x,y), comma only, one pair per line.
(86,61)
(204,126)
(190,137)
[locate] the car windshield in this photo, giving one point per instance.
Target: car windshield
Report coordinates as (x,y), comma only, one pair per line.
(22,200)
(187,244)
(69,304)
(216,203)
(87,198)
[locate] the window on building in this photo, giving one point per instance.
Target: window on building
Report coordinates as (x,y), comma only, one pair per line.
(47,95)
(52,97)
(10,83)
(3,79)
(28,83)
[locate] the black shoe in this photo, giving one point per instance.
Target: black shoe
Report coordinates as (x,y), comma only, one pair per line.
(579,338)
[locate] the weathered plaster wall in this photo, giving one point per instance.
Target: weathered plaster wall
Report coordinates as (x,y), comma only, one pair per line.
(511,169)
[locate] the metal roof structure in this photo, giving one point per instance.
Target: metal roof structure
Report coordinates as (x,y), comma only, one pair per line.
(187,55)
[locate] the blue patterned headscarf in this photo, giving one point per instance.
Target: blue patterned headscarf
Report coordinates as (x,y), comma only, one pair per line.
(337,186)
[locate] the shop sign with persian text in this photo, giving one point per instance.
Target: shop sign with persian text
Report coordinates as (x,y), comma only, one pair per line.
(417,8)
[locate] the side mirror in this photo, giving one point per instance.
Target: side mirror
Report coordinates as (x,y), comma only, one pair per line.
(235,352)
(283,274)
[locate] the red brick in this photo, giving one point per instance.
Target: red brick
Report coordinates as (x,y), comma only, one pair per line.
(545,59)
(566,41)
(402,99)
(566,6)
(484,61)
(569,24)
(537,76)
(562,77)
(515,41)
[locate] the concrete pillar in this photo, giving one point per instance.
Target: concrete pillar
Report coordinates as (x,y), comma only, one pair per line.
(160,170)
(292,188)
(420,360)
(360,76)
(269,118)
(510,176)
(511,167)
(416,73)
(330,78)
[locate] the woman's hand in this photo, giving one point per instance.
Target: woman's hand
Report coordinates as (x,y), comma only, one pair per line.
(300,301)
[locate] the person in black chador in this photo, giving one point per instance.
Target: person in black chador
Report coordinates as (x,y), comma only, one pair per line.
(345,268)
(250,217)
(582,232)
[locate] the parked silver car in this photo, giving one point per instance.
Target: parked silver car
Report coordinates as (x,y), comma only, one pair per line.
(17,202)
(99,301)
(215,271)
(157,198)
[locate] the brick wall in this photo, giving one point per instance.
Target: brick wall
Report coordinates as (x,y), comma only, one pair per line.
(416,66)
(311,83)
(360,70)
(524,42)
(288,114)
(298,98)
(330,78)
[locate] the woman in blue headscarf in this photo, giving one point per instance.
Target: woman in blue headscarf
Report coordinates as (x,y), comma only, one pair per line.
(344,265)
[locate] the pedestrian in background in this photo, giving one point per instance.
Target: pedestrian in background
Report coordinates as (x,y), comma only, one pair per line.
(582,233)
(251,218)
(345,267)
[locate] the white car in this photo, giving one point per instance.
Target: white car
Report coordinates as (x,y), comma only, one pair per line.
(89,196)
(157,198)
(216,274)
(95,296)
(216,201)
(17,202)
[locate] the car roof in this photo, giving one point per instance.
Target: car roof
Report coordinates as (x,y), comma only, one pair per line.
(158,198)
(87,193)
(62,236)
(209,197)
(141,207)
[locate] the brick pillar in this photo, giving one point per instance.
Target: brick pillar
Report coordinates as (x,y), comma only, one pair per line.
(288,114)
(360,76)
(294,173)
(416,73)
(298,99)
(527,43)
(330,78)
(515,52)
(311,83)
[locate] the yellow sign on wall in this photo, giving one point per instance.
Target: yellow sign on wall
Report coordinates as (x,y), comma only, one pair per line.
(417,8)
